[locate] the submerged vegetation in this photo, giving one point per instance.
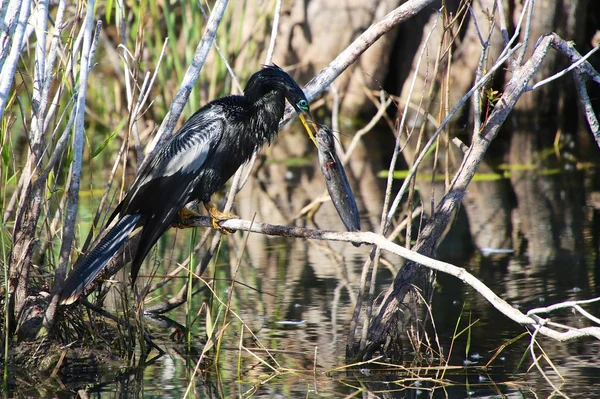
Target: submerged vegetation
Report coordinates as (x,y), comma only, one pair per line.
(83,90)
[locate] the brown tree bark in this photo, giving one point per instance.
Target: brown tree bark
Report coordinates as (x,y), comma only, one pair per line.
(392,319)
(313,33)
(547,204)
(487,205)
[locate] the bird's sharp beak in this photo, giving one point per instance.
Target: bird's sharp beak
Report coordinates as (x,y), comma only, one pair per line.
(309,124)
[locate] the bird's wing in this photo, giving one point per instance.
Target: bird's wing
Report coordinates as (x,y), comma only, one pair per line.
(190,148)
(167,186)
(183,154)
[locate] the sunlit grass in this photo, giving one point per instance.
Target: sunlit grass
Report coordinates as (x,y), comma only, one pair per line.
(507,171)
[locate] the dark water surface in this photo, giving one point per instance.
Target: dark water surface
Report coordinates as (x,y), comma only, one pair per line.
(299,305)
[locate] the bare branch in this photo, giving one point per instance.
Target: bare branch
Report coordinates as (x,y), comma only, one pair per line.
(51,61)
(389,211)
(366,129)
(564,71)
(10,65)
(568,50)
(502,19)
(87,54)
(234,78)
(588,110)
(276,15)
(515,36)
(527,8)
(8,22)
(191,76)
(389,246)
(459,104)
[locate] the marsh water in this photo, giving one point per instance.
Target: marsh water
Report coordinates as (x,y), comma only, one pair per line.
(297,297)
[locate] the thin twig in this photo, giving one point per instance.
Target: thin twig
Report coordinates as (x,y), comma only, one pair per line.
(385,215)
(515,35)
(536,362)
(529,10)
(8,20)
(87,54)
(477,105)
(52,55)
(39,74)
(68,76)
(189,80)
(588,110)
(474,18)
(366,129)
(568,304)
(459,104)
(503,25)
(564,71)
(234,78)
(271,49)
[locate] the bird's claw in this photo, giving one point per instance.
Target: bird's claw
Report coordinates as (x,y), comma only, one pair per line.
(184,218)
(217,217)
(216,223)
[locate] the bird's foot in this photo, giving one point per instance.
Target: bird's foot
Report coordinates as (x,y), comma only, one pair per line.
(184,218)
(217,217)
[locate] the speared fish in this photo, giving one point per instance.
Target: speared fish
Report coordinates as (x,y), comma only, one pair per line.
(336,180)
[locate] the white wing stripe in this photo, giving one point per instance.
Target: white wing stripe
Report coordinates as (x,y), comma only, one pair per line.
(189,151)
(189,160)
(185,152)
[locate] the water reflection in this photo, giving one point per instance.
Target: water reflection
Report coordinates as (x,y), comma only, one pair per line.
(302,298)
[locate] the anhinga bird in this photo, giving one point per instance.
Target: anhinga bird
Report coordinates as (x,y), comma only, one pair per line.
(193,164)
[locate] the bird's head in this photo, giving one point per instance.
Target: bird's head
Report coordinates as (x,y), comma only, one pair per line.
(270,78)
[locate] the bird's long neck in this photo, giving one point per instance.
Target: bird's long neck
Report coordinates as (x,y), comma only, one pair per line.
(266,113)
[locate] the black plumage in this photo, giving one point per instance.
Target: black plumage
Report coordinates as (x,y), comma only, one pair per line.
(190,166)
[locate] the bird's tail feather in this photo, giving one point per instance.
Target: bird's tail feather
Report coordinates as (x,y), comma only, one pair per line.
(96,259)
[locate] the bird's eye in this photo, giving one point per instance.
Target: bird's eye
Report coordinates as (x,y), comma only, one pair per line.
(303,105)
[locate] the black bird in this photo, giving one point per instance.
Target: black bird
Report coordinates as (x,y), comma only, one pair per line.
(191,166)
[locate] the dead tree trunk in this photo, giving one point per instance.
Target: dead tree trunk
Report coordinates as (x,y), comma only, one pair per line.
(546,119)
(392,318)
